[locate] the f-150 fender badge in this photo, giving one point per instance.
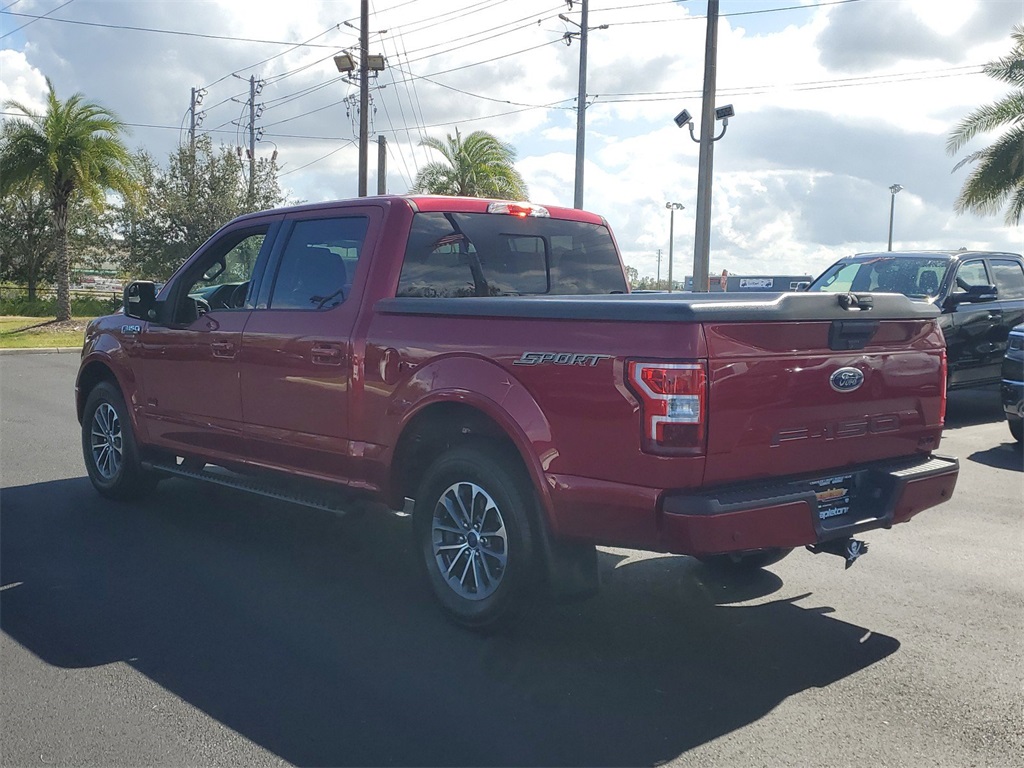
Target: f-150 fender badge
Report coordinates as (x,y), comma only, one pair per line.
(560,358)
(846,379)
(131,330)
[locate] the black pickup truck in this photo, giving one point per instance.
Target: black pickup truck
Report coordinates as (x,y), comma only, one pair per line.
(979,293)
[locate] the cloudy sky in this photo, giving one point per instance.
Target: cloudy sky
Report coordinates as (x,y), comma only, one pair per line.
(835,102)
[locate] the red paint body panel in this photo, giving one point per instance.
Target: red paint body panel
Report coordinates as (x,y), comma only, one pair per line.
(329,395)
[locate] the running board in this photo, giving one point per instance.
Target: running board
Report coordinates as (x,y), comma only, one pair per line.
(266,488)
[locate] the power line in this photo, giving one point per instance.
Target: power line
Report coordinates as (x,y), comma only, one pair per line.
(126,27)
(312,162)
(45,15)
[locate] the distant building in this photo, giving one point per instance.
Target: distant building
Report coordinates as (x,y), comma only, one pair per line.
(753,283)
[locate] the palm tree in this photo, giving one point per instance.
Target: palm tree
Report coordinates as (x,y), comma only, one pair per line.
(73,148)
(998,176)
(479,166)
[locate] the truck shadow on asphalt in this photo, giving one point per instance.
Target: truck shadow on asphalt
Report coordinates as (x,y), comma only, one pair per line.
(313,637)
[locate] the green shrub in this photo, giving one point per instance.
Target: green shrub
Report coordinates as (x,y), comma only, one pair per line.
(84,306)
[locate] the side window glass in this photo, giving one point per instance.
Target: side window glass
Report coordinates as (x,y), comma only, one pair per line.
(970,273)
(226,276)
(318,263)
(1009,278)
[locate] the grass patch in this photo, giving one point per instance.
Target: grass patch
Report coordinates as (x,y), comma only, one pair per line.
(19,332)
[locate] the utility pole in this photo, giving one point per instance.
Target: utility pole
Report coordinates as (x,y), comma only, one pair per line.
(659,267)
(581,110)
(252,138)
(581,98)
(192,124)
(702,233)
(382,165)
(364,93)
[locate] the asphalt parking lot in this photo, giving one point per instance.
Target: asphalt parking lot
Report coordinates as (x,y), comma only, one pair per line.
(206,627)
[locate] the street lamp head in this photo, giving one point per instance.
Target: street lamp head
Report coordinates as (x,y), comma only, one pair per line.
(725,112)
(675,206)
(895,188)
(683,118)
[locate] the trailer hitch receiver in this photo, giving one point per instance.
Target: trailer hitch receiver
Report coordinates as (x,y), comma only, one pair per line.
(849,549)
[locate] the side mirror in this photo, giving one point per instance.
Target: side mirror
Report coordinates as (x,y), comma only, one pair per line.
(140,300)
(975,294)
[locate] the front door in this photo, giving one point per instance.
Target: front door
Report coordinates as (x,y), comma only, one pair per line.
(191,397)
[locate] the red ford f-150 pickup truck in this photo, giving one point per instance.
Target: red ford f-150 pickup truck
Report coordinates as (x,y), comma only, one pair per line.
(486,360)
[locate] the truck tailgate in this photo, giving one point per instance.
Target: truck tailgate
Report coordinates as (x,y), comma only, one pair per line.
(786,399)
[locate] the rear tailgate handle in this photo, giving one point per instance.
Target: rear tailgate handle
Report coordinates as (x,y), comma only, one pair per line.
(326,354)
(851,334)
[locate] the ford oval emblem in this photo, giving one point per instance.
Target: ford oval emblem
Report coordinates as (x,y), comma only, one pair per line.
(846,379)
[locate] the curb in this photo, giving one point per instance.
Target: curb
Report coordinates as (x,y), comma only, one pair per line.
(42,351)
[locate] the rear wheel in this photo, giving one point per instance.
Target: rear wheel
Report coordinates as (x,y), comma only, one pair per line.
(1016,429)
(109,448)
(745,562)
(473,528)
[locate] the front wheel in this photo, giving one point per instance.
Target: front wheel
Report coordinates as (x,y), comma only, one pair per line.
(745,562)
(109,448)
(1016,429)
(472,521)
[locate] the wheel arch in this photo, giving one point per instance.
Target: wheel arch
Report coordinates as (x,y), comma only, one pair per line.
(451,419)
(91,374)
(94,371)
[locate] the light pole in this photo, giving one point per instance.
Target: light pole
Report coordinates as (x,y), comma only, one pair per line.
(702,233)
(672,208)
(892,208)
(581,99)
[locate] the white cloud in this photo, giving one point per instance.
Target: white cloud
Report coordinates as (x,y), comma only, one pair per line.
(20,81)
(834,104)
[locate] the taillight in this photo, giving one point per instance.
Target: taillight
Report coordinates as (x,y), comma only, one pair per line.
(673,405)
(944,365)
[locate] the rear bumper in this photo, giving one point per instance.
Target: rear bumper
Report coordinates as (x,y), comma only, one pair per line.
(800,511)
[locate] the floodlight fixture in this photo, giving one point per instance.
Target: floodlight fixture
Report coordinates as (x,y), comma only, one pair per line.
(344,62)
(683,118)
(375,62)
(896,188)
(724,113)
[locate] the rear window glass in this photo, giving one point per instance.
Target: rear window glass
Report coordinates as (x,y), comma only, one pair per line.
(479,254)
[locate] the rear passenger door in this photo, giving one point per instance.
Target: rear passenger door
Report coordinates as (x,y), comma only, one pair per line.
(297,359)
(1008,278)
(969,341)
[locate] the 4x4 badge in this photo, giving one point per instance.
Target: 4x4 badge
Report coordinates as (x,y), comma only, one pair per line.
(846,379)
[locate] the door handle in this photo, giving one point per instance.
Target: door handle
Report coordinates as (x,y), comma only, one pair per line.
(223,349)
(326,354)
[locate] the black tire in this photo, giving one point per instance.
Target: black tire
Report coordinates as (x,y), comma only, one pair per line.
(473,521)
(745,562)
(109,448)
(1016,429)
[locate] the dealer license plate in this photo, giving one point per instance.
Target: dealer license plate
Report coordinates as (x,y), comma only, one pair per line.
(835,496)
